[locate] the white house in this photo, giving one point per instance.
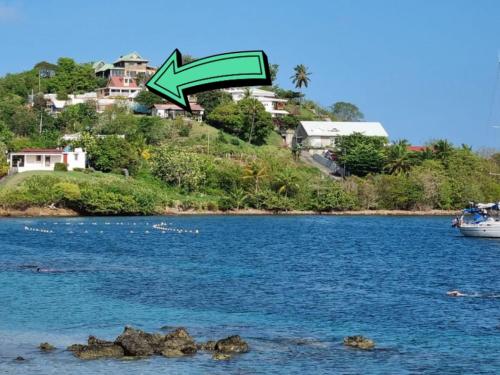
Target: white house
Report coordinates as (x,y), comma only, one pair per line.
(169,110)
(318,136)
(39,159)
(275,106)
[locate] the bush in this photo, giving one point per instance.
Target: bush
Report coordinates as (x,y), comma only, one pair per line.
(60,167)
(186,170)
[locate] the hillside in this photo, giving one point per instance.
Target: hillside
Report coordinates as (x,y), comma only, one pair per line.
(233,160)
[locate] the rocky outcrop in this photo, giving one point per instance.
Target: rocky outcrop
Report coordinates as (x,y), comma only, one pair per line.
(134,343)
(208,346)
(231,344)
(46,347)
(97,348)
(221,356)
(137,343)
(359,342)
(178,343)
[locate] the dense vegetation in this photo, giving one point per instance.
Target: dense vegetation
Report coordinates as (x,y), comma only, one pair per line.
(234,160)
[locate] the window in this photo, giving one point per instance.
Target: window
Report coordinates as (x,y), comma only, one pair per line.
(39,158)
(76,156)
(47,161)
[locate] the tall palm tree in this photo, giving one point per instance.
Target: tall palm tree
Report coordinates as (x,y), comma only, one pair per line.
(301,76)
(255,173)
(443,149)
(286,183)
(398,157)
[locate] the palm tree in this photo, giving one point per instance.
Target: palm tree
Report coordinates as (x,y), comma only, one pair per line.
(255,173)
(398,157)
(239,197)
(443,149)
(301,76)
(247,93)
(286,183)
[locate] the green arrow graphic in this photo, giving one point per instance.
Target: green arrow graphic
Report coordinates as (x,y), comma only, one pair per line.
(174,81)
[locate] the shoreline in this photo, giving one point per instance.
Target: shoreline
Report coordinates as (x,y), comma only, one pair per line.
(64,212)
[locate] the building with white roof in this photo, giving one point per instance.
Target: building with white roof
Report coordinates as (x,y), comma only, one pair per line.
(275,106)
(41,159)
(318,136)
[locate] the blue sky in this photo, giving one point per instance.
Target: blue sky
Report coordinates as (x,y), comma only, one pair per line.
(425,69)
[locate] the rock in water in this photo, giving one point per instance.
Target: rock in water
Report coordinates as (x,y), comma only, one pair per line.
(20,359)
(221,357)
(208,346)
(75,347)
(359,342)
(97,348)
(178,343)
(46,347)
(138,343)
(231,344)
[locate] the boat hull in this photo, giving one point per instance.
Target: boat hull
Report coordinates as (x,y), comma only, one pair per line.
(490,231)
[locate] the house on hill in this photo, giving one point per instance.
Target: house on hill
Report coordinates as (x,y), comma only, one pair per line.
(318,136)
(275,106)
(129,65)
(171,111)
(123,87)
(40,159)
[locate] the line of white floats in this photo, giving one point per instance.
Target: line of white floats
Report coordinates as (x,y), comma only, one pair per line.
(41,230)
(162,227)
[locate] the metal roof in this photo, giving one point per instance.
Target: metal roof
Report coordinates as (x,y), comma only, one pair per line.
(338,128)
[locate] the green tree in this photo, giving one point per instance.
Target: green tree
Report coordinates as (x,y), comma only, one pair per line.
(112,154)
(286,183)
(185,170)
(211,99)
(343,111)
(255,173)
(154,129)
(77,118)
(246,119)
(301,76)
(148,99)
(273,70)
(399,159)
(361,154)
(442,149)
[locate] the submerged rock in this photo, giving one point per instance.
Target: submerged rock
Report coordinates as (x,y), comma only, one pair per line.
(137,343)
(231,344)
(359,342)
(221,357)
(46,347)
(178,343)
(97,348)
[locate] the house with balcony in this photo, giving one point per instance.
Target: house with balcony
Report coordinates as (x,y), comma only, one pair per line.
(275,106)
(119,87)
(130,65)
(40,159)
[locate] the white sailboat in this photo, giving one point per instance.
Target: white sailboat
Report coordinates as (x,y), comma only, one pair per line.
(480,220)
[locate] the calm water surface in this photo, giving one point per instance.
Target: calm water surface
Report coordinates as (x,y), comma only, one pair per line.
(292,286)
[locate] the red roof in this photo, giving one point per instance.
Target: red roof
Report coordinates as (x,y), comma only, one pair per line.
(40,151)
(171,106)
(119,82)
(416,148)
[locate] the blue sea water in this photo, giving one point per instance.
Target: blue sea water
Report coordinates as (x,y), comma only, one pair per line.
(292,286)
